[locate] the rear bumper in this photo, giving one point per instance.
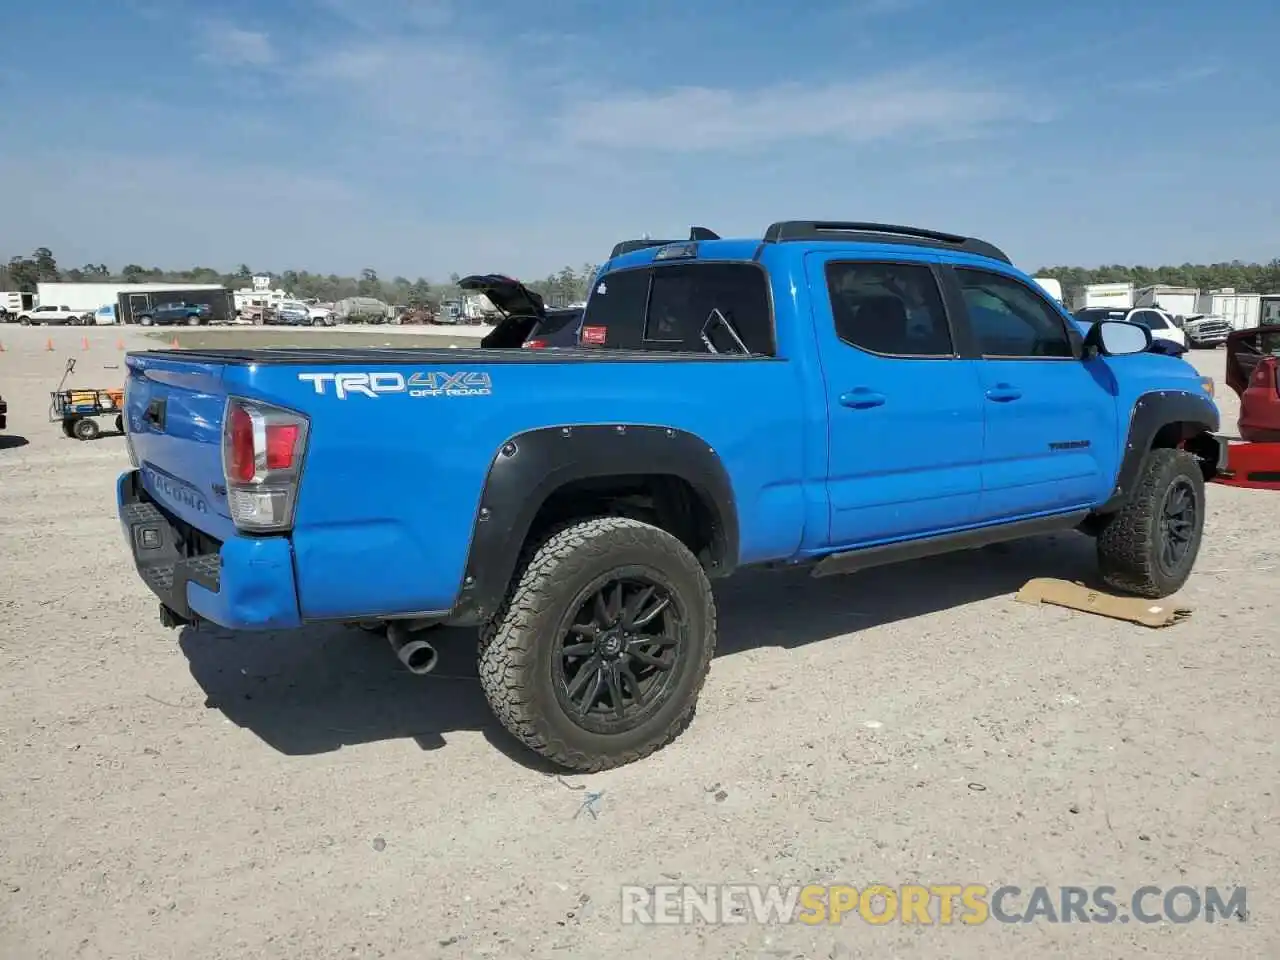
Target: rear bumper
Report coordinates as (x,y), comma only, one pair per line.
(243,583)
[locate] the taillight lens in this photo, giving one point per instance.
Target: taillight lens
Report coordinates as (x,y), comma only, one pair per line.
(535,344)
(262,451)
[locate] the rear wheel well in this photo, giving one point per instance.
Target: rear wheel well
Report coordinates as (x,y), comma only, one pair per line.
(666,501)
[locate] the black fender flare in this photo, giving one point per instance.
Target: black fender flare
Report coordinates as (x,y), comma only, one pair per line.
(1153,412)
(531,466)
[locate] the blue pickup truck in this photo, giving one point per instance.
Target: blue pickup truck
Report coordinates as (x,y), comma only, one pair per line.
(837,395)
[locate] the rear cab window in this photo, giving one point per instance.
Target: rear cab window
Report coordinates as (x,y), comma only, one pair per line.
(673,307)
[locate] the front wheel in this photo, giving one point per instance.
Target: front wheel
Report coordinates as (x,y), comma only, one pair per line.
(597,656)
(193,321)
(146,321)
(1150,546)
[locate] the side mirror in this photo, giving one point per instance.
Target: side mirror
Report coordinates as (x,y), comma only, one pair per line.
(1117,338)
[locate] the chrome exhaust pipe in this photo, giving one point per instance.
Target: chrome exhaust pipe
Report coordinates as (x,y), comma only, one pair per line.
(418,656)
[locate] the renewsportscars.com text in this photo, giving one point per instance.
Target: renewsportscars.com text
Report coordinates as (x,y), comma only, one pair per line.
(929,904)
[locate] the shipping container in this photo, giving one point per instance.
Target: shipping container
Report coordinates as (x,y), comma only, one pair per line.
(1115,295)
(1176,301)
(1243,310)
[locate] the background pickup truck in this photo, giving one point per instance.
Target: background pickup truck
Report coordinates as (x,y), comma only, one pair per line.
(839,395)
(167,314)
(55,316)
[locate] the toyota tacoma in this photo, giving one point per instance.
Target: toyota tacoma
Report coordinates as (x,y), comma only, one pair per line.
(830,394)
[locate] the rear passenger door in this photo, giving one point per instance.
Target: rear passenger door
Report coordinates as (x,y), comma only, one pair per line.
(1050,417)
(904,410)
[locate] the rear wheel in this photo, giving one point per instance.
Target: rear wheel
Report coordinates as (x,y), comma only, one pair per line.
(598,655)
(86,429)
(193,321)
(146,321)
(1149,548)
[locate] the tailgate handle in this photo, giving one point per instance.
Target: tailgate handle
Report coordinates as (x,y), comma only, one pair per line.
(155,413)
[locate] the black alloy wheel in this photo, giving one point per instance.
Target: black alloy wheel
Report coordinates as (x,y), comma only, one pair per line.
(1177,525)
(619,656)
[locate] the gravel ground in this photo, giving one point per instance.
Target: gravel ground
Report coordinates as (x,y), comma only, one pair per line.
(300,795)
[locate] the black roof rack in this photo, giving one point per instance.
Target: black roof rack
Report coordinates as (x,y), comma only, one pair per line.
(878,233)
(627,246)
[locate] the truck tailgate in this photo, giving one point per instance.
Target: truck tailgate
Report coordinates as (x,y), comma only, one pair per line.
(173,412)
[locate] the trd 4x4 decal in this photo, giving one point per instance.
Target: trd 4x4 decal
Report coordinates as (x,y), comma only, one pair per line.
(434,383)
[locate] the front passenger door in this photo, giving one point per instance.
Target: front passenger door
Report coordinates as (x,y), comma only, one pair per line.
(1051,443)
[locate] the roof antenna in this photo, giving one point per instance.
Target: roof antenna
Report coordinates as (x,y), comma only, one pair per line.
(702,233)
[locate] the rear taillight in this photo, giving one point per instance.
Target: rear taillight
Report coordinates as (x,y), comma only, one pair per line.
(535,344)
(262,451)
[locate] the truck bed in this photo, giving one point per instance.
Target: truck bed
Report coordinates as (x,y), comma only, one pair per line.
(283,356)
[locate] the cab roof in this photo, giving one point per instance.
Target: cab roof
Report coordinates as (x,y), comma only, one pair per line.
(703,244)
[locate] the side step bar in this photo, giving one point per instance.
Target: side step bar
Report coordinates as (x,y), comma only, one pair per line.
(851,561)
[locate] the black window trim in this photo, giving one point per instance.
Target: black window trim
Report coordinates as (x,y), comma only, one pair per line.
(1068,328)
(652,267)
(959,340)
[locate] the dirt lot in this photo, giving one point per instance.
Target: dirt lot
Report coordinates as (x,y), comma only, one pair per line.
(300,795)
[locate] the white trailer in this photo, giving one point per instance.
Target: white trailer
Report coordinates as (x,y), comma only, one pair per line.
(1118,296)
(90,296)
(1176,301)
(1242,310)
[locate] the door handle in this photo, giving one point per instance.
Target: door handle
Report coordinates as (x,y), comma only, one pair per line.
(861,398)
(1003,393)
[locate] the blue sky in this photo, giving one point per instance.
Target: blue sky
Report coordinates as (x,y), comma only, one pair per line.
(423,137)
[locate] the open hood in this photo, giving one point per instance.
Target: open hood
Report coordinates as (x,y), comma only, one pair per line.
(520,307)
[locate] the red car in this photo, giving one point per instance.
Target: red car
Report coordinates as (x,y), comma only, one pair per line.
(1253,372)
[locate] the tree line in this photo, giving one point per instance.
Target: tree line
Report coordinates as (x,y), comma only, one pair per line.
(1241,276)
(40,266)
(570,285)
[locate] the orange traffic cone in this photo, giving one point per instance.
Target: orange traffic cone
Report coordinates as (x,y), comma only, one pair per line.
(49,345)
(174,342)
(84,343)
(120,343)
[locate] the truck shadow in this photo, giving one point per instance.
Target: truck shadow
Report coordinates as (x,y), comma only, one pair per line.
(322,688)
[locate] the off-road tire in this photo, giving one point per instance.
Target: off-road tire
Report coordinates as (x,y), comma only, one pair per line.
(518,643)
(1129,545)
